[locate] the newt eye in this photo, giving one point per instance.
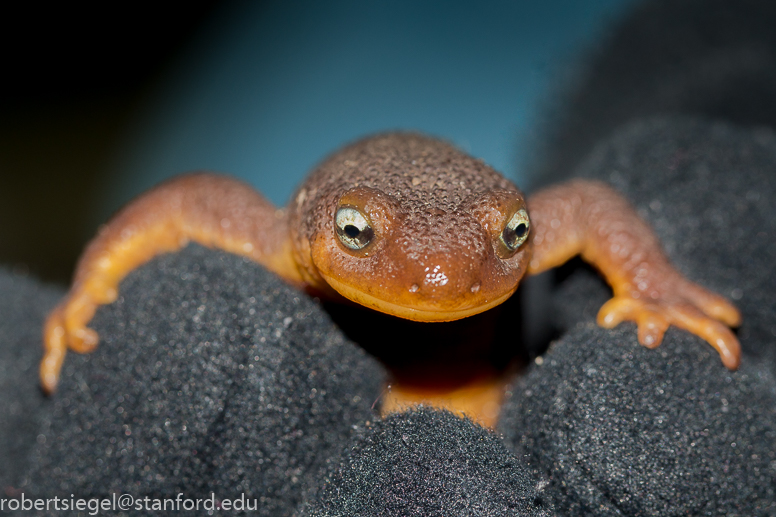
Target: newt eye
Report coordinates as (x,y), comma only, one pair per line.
(516,231)
(353,229)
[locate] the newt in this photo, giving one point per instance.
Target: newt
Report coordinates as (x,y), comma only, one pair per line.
(410,226)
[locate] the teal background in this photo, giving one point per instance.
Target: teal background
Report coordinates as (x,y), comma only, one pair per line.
(267,90)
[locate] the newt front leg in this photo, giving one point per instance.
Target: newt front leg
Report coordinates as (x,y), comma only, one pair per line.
(590,219)
(212,210)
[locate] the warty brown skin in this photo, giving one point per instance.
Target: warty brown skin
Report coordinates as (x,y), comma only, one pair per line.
(434,211)
(435,251)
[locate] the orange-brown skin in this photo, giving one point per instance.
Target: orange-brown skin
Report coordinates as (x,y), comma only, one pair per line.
(436,252)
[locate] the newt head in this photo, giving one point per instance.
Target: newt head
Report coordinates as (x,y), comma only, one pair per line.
(412,227)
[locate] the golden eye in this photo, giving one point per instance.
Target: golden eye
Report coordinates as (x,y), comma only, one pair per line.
(516,231)
(353,229)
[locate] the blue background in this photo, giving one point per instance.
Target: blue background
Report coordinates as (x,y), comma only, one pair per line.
(269,89)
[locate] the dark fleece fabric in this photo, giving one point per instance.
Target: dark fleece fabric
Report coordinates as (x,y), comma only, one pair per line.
(24,304)
(211,376)
(711,58)
(617,429)
(427,463)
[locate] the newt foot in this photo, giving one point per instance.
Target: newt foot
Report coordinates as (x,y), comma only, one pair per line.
(703,313)
(66,328)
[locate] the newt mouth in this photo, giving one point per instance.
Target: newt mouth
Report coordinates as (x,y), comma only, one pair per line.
(416,311)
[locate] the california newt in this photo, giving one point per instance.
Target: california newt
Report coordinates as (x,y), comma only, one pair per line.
(410,226)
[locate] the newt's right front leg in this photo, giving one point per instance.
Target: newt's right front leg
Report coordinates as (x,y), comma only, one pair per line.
(215,211)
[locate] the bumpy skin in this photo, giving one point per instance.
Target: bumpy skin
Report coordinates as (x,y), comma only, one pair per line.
(436,253)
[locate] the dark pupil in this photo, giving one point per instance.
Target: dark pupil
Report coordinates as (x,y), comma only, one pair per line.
(351,231)
(512,236)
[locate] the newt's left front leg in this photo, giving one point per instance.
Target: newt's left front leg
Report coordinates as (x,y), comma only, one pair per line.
(590,219)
